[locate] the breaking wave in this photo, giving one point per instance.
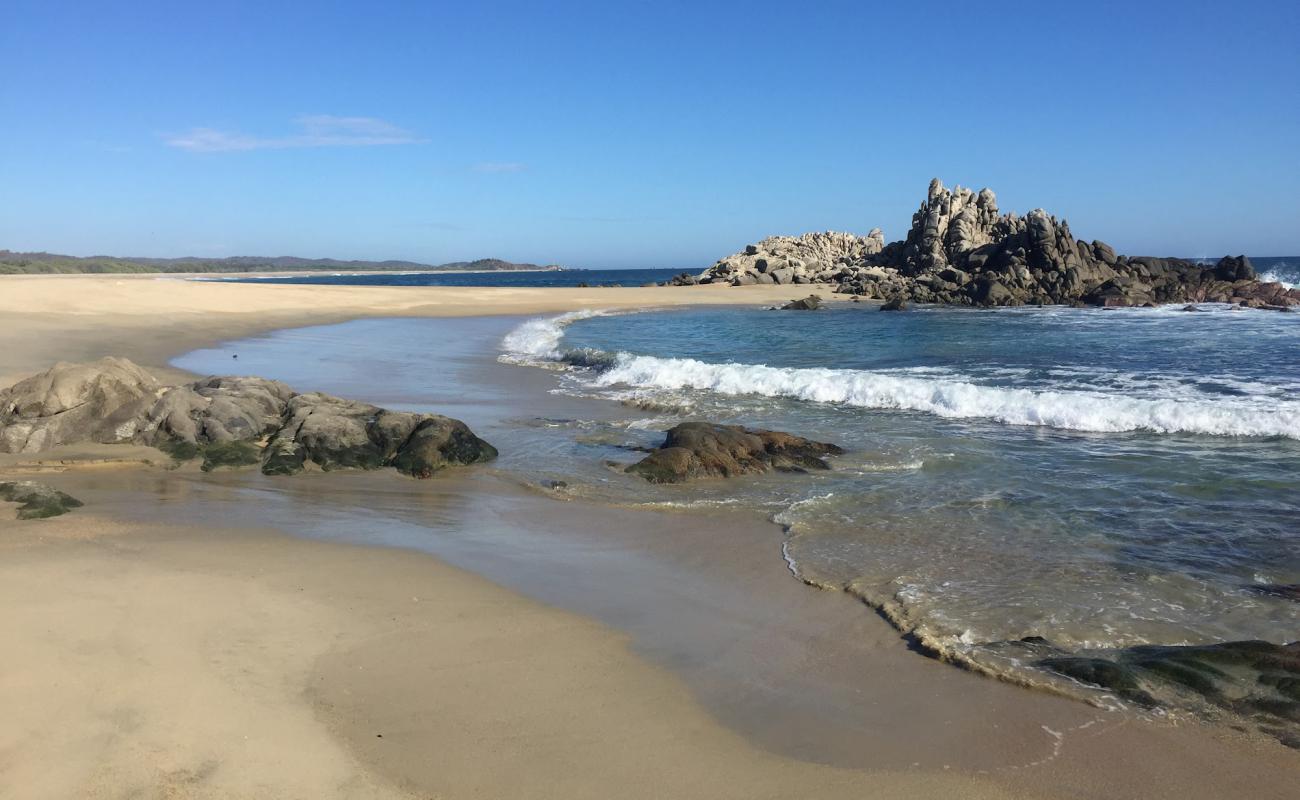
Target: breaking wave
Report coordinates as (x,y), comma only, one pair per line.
(949,398)
(538,340)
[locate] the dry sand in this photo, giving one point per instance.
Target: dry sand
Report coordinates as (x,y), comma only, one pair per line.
(144,659)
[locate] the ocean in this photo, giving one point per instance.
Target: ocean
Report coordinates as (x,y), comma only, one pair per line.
(1090,479)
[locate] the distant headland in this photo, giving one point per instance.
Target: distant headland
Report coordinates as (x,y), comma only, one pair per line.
(14,263)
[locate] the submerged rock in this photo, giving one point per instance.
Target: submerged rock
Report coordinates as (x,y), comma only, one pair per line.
(962,250)
(707,450)
(228,422)
(36,500)
(1256,680)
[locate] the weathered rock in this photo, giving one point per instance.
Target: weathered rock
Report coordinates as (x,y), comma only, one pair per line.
(894,304)
(343,434)
(96,402)
(707,450)
(215,410)
(36,500)
(230,422)
(810,303)
(961,250)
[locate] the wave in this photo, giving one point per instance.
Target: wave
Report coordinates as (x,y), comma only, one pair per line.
(957,399)
(538,340)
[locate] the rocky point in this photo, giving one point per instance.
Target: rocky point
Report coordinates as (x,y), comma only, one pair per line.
(962,250)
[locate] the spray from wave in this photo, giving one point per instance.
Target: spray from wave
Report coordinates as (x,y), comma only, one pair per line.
(538,340)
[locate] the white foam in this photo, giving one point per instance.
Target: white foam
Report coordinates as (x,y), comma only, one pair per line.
(952,397)
(538,340)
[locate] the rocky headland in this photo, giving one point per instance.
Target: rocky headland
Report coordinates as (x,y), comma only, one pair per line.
(227,422)
(962,250)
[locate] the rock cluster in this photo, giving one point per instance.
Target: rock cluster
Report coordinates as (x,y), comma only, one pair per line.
(228,421)
(36,500)
(810,258)
(961,250)
(707,450)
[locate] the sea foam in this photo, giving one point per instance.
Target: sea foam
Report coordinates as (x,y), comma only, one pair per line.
(957,399)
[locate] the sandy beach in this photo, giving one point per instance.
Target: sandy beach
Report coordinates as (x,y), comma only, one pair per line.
(174,639)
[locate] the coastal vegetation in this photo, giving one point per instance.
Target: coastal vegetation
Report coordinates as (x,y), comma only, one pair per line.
(38,263)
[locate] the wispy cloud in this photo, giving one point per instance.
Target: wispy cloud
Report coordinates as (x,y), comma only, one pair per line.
(500,167)
(317,130)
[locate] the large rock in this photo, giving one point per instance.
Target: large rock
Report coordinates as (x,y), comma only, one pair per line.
(707,450)
(333,433)
(961,250)
(228,422)
(97,402)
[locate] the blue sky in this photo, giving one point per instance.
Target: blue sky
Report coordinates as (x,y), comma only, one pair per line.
(636,134)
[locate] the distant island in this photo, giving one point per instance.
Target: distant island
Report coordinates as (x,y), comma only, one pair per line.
(13,263)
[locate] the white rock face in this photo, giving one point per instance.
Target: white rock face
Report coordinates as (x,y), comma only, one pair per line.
(810,258)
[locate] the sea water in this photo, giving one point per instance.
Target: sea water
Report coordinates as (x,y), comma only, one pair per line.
(1098,478)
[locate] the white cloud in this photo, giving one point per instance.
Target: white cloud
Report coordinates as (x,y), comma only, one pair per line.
(317,130)
(500,167)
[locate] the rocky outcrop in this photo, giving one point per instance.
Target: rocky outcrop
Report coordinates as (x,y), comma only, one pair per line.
(36,500)
(962,250)
(228,422)
(707,450)
(810,258)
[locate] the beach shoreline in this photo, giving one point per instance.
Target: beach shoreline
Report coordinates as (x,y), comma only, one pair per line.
(154,322)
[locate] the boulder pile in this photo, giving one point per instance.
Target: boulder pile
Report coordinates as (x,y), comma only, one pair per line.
(961,250)
(227,421)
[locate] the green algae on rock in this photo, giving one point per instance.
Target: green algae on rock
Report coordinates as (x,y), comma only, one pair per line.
(36,500)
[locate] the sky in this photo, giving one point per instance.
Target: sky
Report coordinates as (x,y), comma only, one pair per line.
(655,134)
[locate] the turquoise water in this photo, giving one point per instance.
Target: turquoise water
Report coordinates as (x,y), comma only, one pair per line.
(1101,479)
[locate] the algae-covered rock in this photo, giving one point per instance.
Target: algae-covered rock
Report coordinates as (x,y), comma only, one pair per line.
(231,454)
(225,421)
(36,500)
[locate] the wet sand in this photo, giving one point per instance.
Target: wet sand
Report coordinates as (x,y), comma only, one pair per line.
(630,652)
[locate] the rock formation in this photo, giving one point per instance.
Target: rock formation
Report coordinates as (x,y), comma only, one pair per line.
(228,421)
(961,250)
(707,450)
(36,500)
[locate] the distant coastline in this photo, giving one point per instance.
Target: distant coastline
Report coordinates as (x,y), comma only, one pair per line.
(42,263)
